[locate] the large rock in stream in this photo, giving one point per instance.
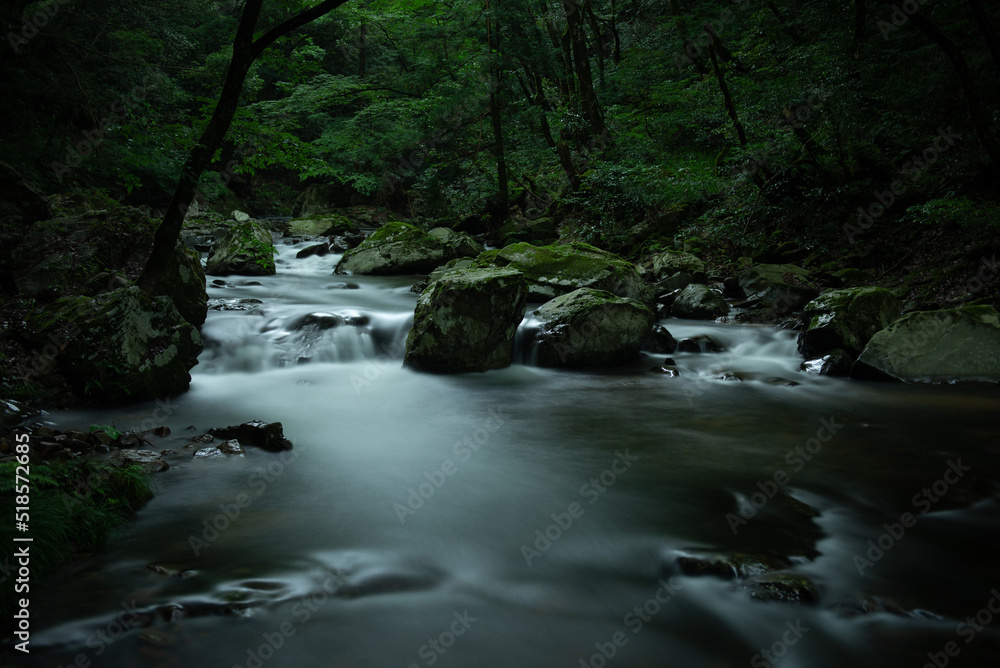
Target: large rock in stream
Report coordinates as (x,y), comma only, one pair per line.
(401,248)
(781,286)
(560,269)
(465,320)
(846,319)
(246,249)
(120,345)
(590,327)
(698,302)
(671,263)
(948,346)
(320,226)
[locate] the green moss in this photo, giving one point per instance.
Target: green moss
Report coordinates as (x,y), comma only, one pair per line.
(76,506)
(559,269)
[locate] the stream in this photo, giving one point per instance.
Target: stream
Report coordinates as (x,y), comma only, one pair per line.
(528,516)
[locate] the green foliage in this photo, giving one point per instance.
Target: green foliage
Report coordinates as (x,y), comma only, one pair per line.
(106,429)
(954,213)
(76,506)
(262,252)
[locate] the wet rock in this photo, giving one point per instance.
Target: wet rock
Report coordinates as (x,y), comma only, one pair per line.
(245,249)
(947,346)
(846,319)
(732,289)
(13,413)
(702,343)
(729,566)
(341,243)
(465,320)
(675,283)
(267,435)
(698,302)
(671,263)
(315,249)
(835,363)
(661,341)
(149,460)
(666,370)
(783,587)
(320,225)
(784,287)
(317,321)
(247,304)
(590,327)
(461,243)
(560,269)
(120,345)
(229,448)
(396,248)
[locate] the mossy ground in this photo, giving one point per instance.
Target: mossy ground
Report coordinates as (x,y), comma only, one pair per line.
(77,507)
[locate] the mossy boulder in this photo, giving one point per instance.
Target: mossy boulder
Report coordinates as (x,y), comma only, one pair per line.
(184,282)
(947,346)
(669,263)
(783,286)
(465,320)
(461,243)
(557,270)
(246,249)
(320,226)
(398,248)
(589,327)
(120,345)
(698,302)
(847,319)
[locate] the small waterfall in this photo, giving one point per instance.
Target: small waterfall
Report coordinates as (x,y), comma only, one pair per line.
(249,342)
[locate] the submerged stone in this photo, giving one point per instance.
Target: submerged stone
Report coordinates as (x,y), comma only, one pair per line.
(267,435)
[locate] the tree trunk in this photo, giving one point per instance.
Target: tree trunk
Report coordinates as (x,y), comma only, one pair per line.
(986,28)
(245,51)
(581,67)
(980,121)
(503,189)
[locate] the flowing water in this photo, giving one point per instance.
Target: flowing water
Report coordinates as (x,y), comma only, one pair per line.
(533,517)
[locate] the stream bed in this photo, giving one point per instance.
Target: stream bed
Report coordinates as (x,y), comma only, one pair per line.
(533,517)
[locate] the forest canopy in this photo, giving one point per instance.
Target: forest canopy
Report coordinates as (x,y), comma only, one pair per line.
(735,120)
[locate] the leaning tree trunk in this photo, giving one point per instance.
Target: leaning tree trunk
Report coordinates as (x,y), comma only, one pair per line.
(245,51)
